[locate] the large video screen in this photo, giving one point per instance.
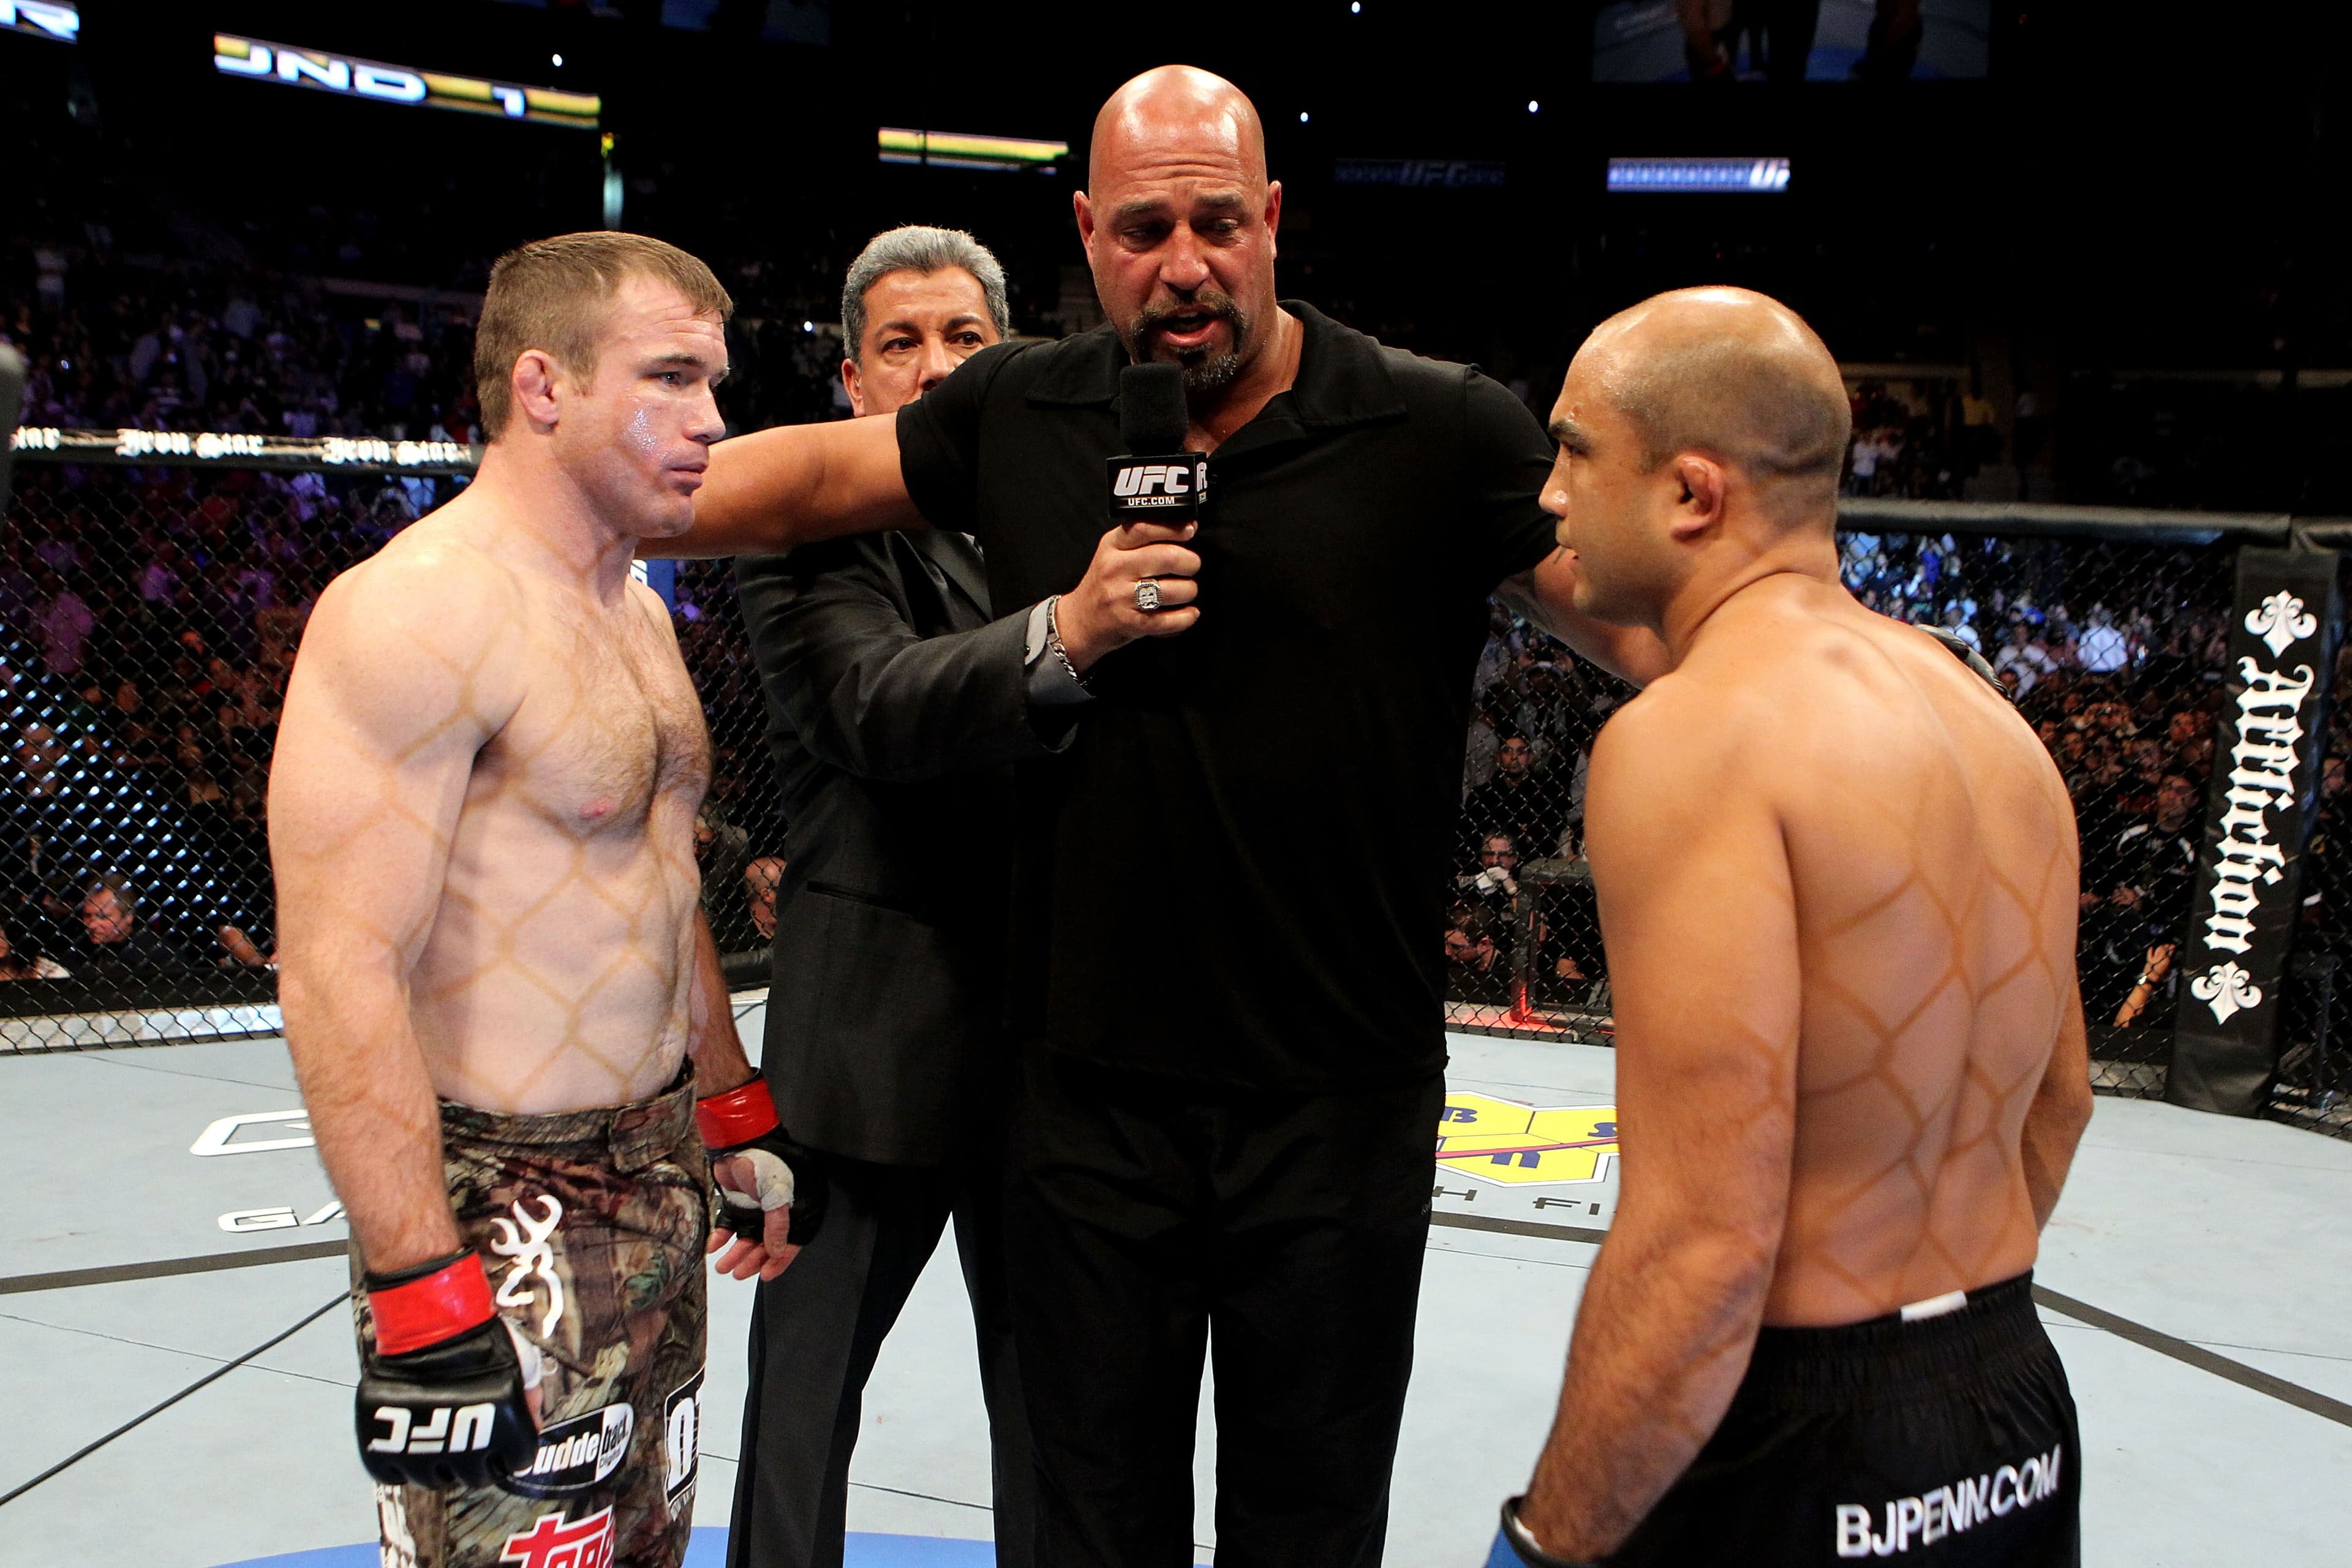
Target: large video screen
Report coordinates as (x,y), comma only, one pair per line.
(1790,41)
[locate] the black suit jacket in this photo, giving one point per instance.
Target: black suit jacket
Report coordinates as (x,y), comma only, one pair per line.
(895,708)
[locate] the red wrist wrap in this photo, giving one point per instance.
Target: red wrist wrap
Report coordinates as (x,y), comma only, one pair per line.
(737,1116)
(441,1305)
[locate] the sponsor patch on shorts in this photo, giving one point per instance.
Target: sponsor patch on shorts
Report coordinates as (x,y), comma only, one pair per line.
(1901,1524)
(681,1440)
(575,1455)
(550,1542)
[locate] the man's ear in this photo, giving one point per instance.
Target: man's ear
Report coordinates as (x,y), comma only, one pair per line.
(1274,212)
(1703,482)
(851,385)
(532,386)
(1085,211)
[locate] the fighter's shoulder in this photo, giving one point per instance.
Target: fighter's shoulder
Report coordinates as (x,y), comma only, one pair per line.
(426,585)
(654,608)
(1689,723)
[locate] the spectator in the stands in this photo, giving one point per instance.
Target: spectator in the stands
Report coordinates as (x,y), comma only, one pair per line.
(63,624)
(116,937)
(1476,970)
(2188,741)
(1956,623)
(15,965)
(2136,792)
(2151,872)
(239,950)
(2102,648)
(1520,800)
(2024,655)
(761,877)
(1494,887)
(1487,725)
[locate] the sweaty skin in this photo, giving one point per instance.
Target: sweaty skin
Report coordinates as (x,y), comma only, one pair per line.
(482,803)
(1179,224)
(1836,876)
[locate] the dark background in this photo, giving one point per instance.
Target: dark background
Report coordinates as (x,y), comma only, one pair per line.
(2127,193)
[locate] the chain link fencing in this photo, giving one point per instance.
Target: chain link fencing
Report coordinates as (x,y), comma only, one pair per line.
(2113,650)
(153,594)
(151,606)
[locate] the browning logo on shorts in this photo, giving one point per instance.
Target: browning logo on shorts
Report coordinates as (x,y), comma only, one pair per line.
(592,1224)
(525,1241)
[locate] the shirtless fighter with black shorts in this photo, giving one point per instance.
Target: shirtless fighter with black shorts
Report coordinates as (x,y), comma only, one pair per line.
(493,971)
(1837,884)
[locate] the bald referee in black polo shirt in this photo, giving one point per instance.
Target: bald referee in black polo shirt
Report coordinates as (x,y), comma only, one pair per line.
(1236,1070)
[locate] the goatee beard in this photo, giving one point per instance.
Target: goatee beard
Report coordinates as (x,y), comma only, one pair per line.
(1204,370)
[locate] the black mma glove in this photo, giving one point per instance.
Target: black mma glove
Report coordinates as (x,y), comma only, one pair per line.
(444,1393)
(1515,1548)
(741,1127)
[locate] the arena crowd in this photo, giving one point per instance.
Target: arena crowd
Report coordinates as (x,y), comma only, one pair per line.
(151,616)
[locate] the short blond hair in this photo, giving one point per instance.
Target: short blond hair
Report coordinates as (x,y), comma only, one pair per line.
(550,295)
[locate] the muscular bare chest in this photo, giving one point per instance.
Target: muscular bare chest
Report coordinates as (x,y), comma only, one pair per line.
(609,731)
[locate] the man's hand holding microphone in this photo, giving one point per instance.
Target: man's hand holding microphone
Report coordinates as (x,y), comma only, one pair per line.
(1141,582)
(1103,612)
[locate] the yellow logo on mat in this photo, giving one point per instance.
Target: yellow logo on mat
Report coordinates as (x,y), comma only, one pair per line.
(1525,1145)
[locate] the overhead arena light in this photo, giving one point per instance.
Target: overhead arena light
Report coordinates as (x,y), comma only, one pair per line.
(352,77)
(62,23)
(1715,175)
(955,150)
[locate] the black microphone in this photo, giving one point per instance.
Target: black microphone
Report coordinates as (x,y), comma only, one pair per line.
(12,403)
(1156,480)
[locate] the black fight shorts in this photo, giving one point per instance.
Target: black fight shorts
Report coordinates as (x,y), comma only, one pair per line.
(1948,1440)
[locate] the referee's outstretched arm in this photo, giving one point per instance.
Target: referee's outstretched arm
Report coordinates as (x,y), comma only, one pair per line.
(770,491)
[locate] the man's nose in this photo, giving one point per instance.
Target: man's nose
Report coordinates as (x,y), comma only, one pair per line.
(936,366)
(1182,266)
(707,425)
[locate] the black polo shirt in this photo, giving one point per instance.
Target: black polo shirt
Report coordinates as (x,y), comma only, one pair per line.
(1240,869)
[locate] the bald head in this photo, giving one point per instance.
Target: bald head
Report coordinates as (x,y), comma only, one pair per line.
(1174,116)
(1179,222)
(1735,374)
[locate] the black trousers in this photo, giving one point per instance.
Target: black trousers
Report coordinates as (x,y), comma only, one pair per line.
(1150,1220)
(816,1332)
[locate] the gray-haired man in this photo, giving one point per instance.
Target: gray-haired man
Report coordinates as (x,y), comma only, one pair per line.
(897,702)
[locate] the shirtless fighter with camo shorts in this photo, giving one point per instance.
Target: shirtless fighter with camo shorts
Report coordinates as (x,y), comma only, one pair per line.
(493,970)
(1837,884)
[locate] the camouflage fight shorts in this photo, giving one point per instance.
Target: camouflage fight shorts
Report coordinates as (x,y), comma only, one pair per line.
(591,1225)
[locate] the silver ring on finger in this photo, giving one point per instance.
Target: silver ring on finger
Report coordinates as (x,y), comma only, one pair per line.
(1147,596)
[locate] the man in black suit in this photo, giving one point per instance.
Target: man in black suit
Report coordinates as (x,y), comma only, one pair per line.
(896,706)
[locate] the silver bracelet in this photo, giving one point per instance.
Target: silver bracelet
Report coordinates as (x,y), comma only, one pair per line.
(1529,1549)
(1054,643)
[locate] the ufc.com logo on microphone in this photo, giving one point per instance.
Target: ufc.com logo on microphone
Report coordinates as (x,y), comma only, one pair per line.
(1162,490)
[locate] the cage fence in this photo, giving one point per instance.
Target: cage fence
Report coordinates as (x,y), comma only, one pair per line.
(152,595)
(151,602)
(2112,649)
